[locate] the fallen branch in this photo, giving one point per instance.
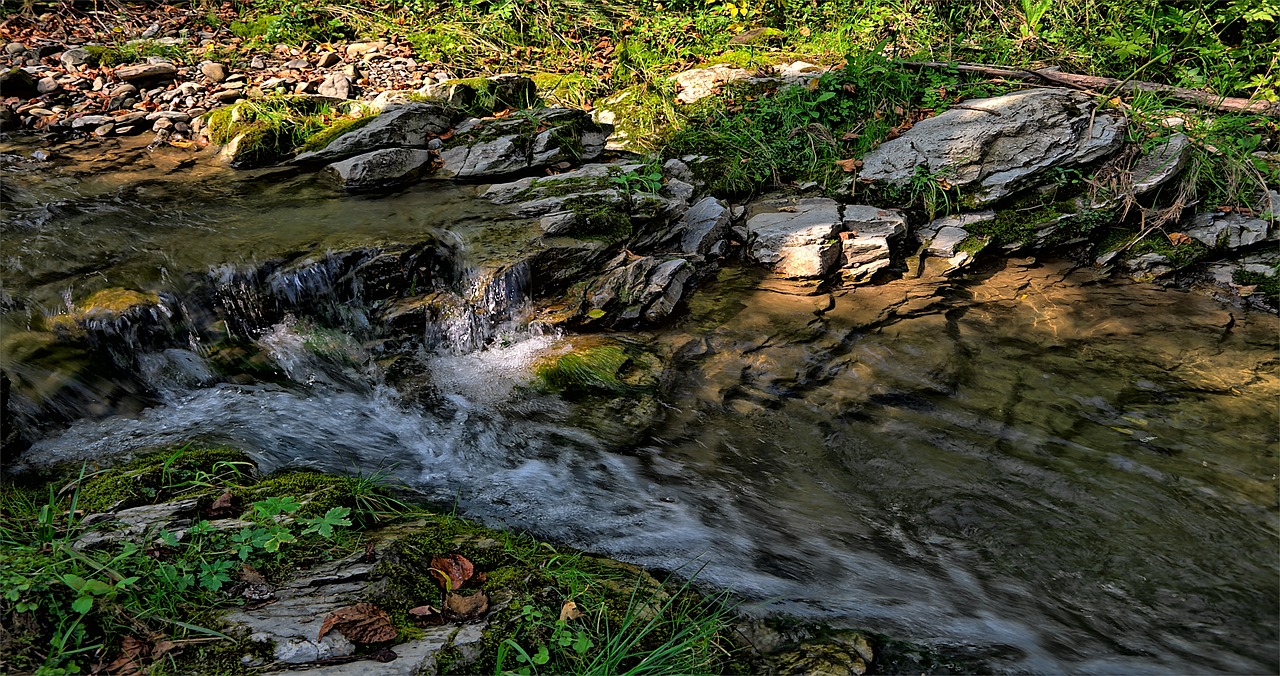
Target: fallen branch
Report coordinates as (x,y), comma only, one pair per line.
(1195,96)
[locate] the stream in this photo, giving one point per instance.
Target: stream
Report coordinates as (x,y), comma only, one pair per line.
(1035,467)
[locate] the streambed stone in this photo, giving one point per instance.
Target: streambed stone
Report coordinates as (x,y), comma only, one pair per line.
(382,168)
(538,139)
(993,148)
(409,126)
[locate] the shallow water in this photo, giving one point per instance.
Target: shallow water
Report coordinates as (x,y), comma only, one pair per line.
(1047,470)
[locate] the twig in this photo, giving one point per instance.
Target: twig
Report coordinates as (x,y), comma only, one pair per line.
(1197,97)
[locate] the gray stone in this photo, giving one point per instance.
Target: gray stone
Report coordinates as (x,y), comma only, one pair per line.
(699,83)
(1148,266)
(1155,168)
(798,240)
(992,148)
(147,71)
(381,168)
(228,95)
(702,226)
(91,121)
(257,63)
(1229,231)
(545,137)
(639,292)
(47,85)
(74,57)
(337,86)
(407,127)
(869,235)
(945,242)
(171,115)
(216,72)
(930,230)
(15,48)
(296,64)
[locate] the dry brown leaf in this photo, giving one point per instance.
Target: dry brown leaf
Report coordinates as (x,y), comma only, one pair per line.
(452,571)
(132,651)
(464,608)
(1179,238)
(223,506)
(427,616)
(569,611)
(361,623)
(847,165)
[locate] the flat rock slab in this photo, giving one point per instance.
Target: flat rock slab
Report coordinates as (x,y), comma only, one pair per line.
(798,240)
(1161,164)
(538,138)
(993,148)
(868,238)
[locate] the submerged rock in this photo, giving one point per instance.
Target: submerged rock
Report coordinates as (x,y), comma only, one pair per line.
(992,148)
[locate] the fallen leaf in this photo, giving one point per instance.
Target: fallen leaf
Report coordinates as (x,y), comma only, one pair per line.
(569,611)
(132,651)
(1179,238)
(789,210)
(251,575)
(465,608)
(847,165)
(452,571)
(361,623)
(804,31)
(851,136)
(427,616)
(225,504)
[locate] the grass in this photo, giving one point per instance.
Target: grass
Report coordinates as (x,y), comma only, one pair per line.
(70,608)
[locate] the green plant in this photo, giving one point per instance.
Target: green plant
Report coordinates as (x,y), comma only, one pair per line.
(646,179)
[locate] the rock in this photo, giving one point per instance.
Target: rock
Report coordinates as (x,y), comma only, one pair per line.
(151,31)
(1228,231)
(296,64)
(257,63)
(362,48)
(1155,168)
(992,148)
(171,115)
(147,71)
(18,82)
(869,235)
(15,48)
(124,90)
(104,130)
(9,120)
(491,94)
(641,292)
(47,85)
(945,242)
(699,83)
(702,226)
(327,59)
(74,57)
(1148,266)
(382,168)
(162,124)
(798,240)
(228,95)
(502,146)
(216,72)
(91,121)
(758,36)
(337,86)
(410,126)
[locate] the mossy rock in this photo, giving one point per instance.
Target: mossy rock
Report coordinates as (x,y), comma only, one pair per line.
(323,138)
(161,476)
(107,305)
(644,117)
(566,90)
(598,365)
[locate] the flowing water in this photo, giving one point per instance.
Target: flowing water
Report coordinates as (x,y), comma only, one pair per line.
(1046,470)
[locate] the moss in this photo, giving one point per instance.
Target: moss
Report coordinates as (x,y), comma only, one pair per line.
(1179,255)
(160,476)
(106,304)
(329,134)
(597,366)
(1268,286)
(567,90)
(255,28)
(644,117)
(598,219)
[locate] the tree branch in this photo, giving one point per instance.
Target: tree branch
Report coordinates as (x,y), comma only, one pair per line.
(1197,97)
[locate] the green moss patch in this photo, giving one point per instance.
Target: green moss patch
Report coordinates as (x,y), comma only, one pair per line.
(264,131)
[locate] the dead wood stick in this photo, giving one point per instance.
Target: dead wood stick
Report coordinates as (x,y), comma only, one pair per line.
(1195,96)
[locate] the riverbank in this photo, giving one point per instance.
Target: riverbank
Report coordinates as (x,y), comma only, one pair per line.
(190,561)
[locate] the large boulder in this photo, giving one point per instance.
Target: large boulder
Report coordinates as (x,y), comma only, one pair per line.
(18,82)
(992,148)
(408,126)
(798,239)
(702,227)
(382,168)
(519,143)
